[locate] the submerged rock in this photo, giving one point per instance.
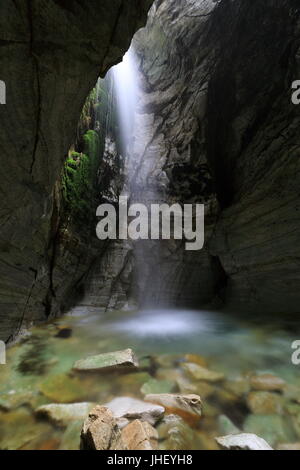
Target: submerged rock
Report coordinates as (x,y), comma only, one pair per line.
(131,408)
(167,360)
(100,431)
(196,359)
(203,389)
(131,382)
(187,406)
(201,373)
(63,389)
(13,399)
(139,435)
(63,414)
(242,442)
(272,428)
(168,374)
(18,428)
(240,386)
(71,436)
(226,426)
(108,362)
(264,403)
(267,382)
(175,434)
(292,392)
(157,386)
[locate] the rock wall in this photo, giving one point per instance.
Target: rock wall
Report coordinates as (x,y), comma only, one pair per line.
(253,147)
(51,54)
(216,125)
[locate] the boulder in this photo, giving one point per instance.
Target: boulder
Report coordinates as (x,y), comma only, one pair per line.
(187,406)
(100,431)
(139,435)
(108,362)
(131,409)
(63,414)
(242,442)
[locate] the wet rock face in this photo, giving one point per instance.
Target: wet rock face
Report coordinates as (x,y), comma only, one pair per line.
(218,126)
(52,53)
(252,133)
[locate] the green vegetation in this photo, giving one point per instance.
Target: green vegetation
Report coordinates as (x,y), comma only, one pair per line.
(80,185)
(79,180)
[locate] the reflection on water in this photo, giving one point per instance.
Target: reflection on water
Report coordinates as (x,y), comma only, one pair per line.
(39,371)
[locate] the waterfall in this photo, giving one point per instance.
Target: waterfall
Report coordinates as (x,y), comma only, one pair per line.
(126,89)
(139,183)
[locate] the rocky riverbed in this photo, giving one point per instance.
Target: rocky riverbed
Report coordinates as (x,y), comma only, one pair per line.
(177,380)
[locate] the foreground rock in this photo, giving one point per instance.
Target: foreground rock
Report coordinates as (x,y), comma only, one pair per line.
(127,408)
(188,407)
(139,435)
(101,432)
(201,373)
(62,415)
(242,442)
(108,362)
(175,434)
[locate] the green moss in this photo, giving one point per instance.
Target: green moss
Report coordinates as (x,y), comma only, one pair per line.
(80,185)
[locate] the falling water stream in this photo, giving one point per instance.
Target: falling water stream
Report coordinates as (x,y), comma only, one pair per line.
(39,368)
